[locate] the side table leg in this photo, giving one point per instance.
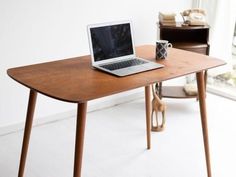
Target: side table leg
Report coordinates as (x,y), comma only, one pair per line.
(79,138)
(159,89)
(27,131)
(148,114)
(202,105)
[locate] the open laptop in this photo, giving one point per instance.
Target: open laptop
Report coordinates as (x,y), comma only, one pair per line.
(112,49)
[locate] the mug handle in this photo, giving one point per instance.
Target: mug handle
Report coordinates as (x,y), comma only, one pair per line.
(169,45)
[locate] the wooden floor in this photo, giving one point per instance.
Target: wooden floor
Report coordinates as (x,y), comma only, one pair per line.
(115,143)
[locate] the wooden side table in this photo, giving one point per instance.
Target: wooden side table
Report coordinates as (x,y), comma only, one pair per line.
(191,38)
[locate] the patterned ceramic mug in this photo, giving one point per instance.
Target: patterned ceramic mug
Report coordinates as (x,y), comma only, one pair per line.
(162,49)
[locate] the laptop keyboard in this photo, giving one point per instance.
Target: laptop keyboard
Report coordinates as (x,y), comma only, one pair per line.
(123,64)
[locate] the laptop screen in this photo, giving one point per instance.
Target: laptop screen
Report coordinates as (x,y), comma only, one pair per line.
(111,41)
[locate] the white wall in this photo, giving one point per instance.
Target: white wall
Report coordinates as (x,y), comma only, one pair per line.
(34,31)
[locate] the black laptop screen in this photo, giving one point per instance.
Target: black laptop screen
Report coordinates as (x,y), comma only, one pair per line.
(111,41)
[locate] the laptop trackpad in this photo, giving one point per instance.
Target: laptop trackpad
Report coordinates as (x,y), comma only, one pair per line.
(153,65)
(130,70)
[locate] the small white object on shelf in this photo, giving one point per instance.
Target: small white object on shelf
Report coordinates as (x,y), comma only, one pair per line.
(190,89)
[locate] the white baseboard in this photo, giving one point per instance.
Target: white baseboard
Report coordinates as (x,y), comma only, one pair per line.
(93,106)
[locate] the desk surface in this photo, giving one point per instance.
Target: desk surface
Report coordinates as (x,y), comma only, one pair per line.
(74,80)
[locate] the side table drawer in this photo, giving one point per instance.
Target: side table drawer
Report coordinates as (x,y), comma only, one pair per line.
(201,50)
(198,50)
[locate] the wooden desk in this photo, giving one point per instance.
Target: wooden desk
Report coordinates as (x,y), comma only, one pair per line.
(73,80)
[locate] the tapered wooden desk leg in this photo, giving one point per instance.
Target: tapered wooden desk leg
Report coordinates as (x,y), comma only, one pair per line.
(28,126)
(202,104)
(79,138)
(148,114)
